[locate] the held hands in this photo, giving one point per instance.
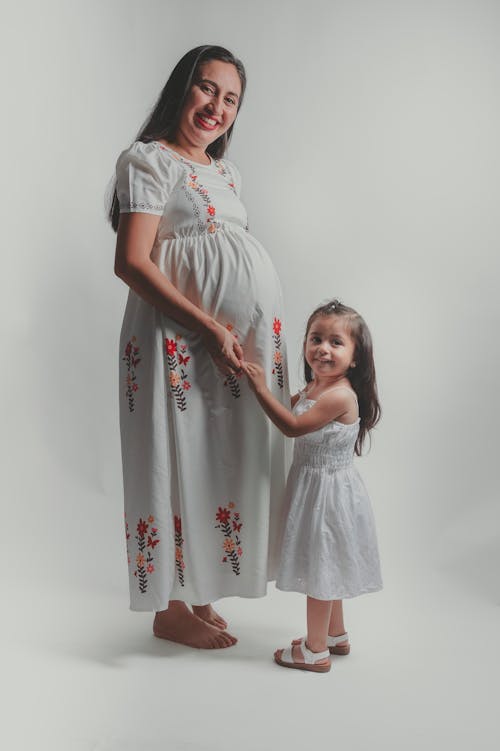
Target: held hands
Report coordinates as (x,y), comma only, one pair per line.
(256,376)
(224,348)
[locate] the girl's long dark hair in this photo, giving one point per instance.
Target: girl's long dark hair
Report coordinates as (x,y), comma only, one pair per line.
(164,119)
(362,377)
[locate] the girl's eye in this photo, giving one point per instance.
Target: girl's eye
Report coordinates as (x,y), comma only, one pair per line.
(230,100)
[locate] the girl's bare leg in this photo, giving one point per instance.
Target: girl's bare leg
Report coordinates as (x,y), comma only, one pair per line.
(336,625)
(208,614)
(180,625)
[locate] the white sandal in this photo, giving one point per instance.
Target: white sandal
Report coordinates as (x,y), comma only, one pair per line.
(332,644)
(286,659)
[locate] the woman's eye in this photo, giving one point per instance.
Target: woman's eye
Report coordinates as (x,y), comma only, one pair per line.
(230,100)
(207,89)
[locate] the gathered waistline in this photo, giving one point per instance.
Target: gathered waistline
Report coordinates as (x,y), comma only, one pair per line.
(322,464)
(189,233)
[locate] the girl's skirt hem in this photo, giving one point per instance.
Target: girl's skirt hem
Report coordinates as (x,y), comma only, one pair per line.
(346,595)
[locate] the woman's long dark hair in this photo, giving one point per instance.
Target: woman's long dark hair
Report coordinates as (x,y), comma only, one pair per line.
(164,119)
(362,377)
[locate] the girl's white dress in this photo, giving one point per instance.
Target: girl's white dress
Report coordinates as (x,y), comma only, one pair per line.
(204,471)
(329,549)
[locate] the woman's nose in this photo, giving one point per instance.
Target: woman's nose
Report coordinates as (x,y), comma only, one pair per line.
(214,106)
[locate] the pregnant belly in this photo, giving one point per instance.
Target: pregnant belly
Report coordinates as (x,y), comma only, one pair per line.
(227,274)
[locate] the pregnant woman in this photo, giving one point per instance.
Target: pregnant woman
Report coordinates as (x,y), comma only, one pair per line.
(203,469)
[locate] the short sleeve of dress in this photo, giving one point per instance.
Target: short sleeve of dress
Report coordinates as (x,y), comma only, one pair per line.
(143,179)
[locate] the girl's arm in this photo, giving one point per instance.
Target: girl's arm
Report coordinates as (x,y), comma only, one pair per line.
(133,264)
(331,406)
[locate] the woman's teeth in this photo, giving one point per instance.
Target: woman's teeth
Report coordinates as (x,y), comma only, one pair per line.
(208,120)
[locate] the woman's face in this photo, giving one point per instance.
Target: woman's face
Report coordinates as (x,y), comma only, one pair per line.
(212,103)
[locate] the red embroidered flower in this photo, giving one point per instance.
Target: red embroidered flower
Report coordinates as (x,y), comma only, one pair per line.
(150,568)
(222,515)
(236,526)
(211,210)
(240,552)
(135,387)
(142,528)
(186,385)
(128,349)
(171,346)
(276,325)
(177,524)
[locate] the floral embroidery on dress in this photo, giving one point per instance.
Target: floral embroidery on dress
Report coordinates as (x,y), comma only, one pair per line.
(131,357)
(177,359)
(277,356)
(221,169)
(232,380)
(230,525)
(179,542)
(147,539)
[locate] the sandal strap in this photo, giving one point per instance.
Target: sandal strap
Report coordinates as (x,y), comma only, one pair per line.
(311,657)
(332,641)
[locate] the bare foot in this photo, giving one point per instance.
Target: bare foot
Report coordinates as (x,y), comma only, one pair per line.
(208,614)
(180,625)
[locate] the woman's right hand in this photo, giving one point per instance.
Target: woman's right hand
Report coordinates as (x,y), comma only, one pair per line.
(223,347)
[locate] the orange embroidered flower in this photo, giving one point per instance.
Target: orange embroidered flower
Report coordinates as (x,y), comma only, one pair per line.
(150,568)
(174,378)
(151,519)
(139,559)
(228,545)
(212,227)
(230,504)
(240,552)
(178,554)
(277,357)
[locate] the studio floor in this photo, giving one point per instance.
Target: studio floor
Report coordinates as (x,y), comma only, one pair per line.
(82,673)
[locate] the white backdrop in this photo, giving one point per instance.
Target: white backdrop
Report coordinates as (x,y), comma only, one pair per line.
(368,145)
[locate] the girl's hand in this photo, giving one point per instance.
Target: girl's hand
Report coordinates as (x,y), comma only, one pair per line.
(256,376)
(223,348)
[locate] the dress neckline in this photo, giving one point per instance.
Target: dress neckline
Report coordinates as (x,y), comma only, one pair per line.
(181,158)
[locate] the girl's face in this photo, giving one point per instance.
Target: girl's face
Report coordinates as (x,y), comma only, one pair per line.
(329,348)
(212,103)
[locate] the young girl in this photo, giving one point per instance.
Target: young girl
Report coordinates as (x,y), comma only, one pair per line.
(329,550)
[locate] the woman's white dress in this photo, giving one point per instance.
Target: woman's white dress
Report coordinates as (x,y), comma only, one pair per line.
(329,548)
(204,470)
